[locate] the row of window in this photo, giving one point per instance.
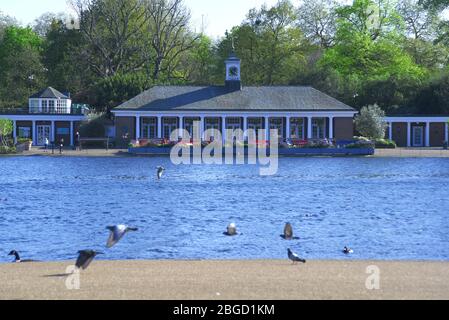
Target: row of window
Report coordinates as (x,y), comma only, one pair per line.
(297,126)
(48,106)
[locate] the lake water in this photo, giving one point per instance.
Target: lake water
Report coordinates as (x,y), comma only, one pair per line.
(383,208)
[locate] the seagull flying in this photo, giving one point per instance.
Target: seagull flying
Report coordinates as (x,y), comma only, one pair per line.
(116,233)
(294,257)
(85,257)
(17,257)
(160,172)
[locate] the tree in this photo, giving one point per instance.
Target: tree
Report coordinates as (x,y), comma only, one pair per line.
(43,24)
(422,28)
(433,97)
(437,4)
(373,18)
(170,36)
(370,122)
(371,57)
(420,23)
(318,21)
(270,45)
(115,35)
(6,128)
(112,91)
(200,62)
(61,57)
(21,70)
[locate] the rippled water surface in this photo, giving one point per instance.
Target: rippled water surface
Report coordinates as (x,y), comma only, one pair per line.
(384,208)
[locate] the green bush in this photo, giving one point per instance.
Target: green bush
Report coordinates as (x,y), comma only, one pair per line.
(320,144)
(7,150)
(360,144)
(94,127)
(385,144)
(23,140)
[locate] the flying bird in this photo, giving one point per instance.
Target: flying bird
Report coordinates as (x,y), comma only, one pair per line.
(288,232)
(160,172)
(294,257)
(116,233)
(17,257)
(85,257)
(231,230)
(347,250)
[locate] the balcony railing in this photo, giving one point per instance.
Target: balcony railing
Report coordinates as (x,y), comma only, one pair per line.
(76,109)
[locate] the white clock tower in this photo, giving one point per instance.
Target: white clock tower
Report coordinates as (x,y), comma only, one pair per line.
(233,81)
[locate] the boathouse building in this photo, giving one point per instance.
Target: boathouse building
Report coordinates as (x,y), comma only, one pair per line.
(50,115)
(296,112)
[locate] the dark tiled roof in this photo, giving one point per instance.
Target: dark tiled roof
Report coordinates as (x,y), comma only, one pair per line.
(49,93)
(218,98)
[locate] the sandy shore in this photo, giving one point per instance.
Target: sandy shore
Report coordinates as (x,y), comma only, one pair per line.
(225,280)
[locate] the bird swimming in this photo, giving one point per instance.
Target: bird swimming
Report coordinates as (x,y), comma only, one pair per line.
(160,172)
(347,250)
(85,257)
(17,257)
(116,233)
(288,232)
(294,257)
(231,230)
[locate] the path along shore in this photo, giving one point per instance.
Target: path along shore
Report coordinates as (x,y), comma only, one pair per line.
(388,153)
(227,280)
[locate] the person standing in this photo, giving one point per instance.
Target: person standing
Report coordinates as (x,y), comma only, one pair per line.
(61,145)
(46,144)
(77,141)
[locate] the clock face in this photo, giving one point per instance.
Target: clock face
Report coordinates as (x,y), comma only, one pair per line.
(233,72)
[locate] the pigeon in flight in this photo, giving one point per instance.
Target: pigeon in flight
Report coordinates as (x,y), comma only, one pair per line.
(116,233)
(160,172)
(288,232)
(85,257)
(347,250)
(294,257)
(17,257)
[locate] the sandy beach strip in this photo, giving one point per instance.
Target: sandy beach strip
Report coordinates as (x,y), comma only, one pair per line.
(226,280)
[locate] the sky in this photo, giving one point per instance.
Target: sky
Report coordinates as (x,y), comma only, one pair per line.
(218,15)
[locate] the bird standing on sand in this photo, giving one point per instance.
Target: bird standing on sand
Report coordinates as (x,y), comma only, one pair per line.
(160,172)
(294,257)
(85,257)
(231,230)
(116,233)
(17,257)
(347,250)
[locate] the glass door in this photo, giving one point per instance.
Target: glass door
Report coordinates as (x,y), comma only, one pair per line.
(42,133)
(418,136)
